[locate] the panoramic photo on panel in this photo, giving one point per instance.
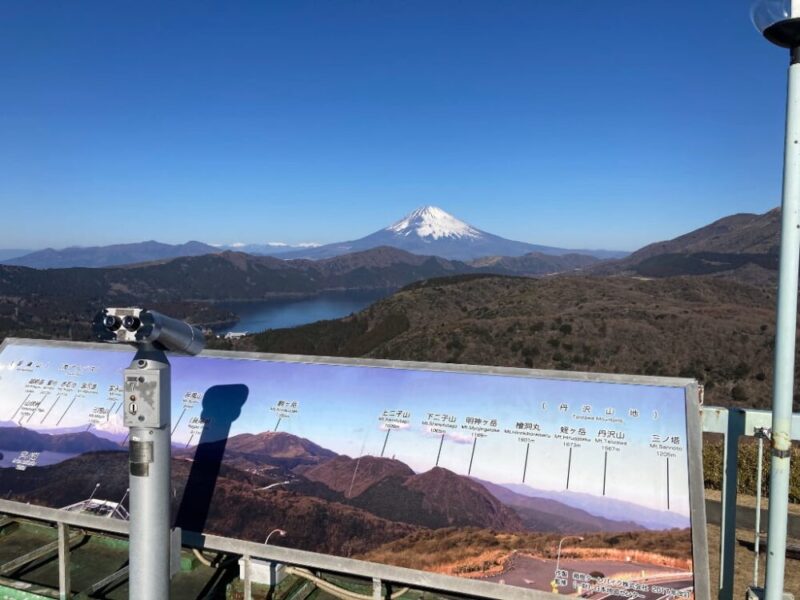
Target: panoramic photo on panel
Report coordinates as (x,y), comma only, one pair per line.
(465,474)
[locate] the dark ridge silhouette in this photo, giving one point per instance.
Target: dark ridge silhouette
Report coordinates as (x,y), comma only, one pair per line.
(20,438)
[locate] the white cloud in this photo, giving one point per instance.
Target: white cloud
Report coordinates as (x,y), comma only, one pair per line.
(114,424)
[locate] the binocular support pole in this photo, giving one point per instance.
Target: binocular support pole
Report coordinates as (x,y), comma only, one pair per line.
(147,414)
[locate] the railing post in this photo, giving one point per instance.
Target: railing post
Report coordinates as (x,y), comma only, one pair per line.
(730,484)
(248,586)
(760,434)
(64,582)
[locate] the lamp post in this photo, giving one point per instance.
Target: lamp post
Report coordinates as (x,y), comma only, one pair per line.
(280,532)
(94,491)
(779,22)
(119,505)
(558,557)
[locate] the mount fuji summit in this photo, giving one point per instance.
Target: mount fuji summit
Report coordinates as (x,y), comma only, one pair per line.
(432,231)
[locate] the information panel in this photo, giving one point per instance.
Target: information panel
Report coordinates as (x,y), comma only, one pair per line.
(550,481)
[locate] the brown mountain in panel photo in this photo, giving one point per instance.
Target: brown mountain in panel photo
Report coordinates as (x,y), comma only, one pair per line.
(269,450)
(352,477)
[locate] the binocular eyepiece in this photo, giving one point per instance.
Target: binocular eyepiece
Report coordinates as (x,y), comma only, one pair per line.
(113,322)
(142,326)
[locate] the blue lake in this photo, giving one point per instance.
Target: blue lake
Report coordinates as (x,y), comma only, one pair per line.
(276,314)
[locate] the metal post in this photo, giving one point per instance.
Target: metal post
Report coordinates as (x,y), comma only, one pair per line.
(147,402)
(566,537)
(759,483)
(64,582)
(248,585)
(785,333)
(730,484)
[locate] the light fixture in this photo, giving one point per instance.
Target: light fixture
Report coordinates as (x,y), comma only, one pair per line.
(777,21)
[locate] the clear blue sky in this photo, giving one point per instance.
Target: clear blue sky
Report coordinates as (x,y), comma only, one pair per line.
(576,124)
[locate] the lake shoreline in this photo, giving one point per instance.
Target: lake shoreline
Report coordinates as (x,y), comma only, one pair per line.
(281,296)
(293,309)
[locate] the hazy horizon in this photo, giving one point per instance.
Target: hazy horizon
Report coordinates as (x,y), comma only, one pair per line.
(279,245)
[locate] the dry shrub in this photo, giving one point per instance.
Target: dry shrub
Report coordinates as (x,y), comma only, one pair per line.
(638,556)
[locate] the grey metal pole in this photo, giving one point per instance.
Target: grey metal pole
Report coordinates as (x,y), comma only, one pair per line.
(64,580)
(248,585)
(147,390)
(566,537)
(759,483)
(785,341)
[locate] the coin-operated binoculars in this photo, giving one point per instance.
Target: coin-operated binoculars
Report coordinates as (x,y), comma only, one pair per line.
(147,401)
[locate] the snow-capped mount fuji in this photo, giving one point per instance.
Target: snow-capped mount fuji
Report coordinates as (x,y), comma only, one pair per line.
(433,223)
(431,231)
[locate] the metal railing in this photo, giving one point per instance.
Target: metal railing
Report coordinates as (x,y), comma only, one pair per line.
(733,424)
(380,575)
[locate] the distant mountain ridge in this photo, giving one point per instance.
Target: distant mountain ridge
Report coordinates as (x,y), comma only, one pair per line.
(384,487)
(429,230)
(390,489)
(236,276)
(724,245)
(743,246)
(437,498)
(441,498)
(743,233)
(228,276)
(607,507)
(547,512)
(534,263)
(21,438)
(106,256)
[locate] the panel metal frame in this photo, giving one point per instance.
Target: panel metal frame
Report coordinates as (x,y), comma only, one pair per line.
(388,573)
